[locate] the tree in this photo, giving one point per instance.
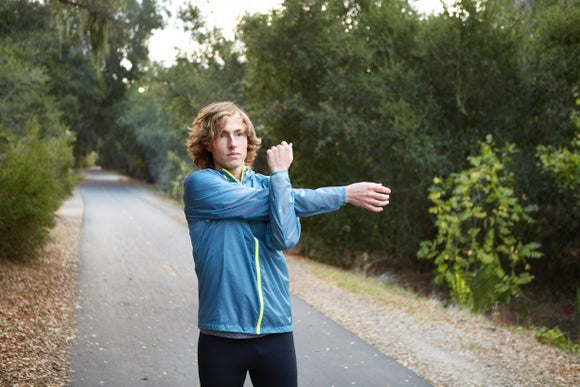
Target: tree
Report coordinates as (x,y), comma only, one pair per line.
(549,56)
(471,65)
(125,64)
(92,19)
(338,79)
(549,53)
(35,147)
(156,132)
(159,107)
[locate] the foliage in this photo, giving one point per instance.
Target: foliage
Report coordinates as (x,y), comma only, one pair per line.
(23,87)
(35,176)
(556,338)
(100,22)
(86,91)
(559,220)
(159,107)
(176,170)
(329,77)
(477,251)
(366,90)
(125,64)
(154,132)
(79,92)
(470,63)
(215,72)
(550,52)
(90,19)
(63,34)
(563,164)
(35,146)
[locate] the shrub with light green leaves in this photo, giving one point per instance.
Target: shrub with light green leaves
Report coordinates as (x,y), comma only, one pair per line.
(477,251)
(563,164)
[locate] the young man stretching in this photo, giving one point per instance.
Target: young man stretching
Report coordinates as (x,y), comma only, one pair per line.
(239,224)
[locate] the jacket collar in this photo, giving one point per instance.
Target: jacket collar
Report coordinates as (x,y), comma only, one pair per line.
(230,177)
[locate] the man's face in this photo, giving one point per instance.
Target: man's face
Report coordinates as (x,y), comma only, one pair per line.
(230,148)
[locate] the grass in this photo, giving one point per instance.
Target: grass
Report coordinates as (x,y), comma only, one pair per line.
(359,283)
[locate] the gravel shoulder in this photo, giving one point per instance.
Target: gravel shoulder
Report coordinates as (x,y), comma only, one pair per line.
(446,346)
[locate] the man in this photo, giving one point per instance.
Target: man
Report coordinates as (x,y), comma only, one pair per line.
(239,224)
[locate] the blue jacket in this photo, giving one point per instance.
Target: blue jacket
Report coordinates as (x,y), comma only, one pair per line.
(238,230)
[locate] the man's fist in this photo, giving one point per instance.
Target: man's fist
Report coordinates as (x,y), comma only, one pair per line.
(280,157)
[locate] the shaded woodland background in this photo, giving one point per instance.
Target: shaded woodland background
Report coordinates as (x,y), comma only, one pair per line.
(366,90)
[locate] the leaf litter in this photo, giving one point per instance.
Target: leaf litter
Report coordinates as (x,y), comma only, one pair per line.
(38,300)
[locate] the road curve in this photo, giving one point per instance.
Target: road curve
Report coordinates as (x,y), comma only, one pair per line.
(138,303)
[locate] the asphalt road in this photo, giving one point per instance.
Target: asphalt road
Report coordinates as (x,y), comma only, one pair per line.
(138,303)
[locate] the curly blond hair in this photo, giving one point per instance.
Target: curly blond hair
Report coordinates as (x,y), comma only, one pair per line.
(206,128)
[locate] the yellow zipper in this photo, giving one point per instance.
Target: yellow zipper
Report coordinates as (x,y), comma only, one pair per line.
(260,294)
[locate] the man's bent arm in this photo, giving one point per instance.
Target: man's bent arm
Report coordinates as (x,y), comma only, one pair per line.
(284,225)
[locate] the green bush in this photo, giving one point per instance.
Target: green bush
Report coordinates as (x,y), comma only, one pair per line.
(35,176)
(476,251)
(558,221)
(556,338)
(563,164)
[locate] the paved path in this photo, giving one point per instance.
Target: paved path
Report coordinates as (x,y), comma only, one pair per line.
(138,294)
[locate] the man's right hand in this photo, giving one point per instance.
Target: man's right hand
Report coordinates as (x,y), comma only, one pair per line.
(371,196)
(280,157)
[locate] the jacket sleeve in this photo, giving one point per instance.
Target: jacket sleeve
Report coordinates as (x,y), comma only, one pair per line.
(207,196)
(309,202)
(284,225)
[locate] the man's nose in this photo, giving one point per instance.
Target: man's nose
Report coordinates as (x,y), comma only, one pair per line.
(232,142)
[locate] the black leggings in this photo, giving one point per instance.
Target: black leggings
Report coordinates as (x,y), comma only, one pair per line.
(270,360)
